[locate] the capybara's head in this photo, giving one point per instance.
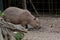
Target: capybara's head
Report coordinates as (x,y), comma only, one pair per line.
(35,23)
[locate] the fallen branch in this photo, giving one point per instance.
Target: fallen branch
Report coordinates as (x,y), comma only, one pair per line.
(7,29)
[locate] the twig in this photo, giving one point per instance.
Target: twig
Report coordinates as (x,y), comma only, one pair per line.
(34,7)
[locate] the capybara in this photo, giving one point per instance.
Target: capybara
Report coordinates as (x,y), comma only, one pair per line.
(20,16)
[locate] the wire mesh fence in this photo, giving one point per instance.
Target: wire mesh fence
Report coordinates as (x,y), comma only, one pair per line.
(44,7)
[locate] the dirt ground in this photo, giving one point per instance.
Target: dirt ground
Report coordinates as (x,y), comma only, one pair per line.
(42,36)
(50,30)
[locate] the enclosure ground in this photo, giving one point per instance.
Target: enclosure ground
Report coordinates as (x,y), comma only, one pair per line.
(42,36)
(46,32)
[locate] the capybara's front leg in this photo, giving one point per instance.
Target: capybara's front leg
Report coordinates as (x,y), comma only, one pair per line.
(26,26)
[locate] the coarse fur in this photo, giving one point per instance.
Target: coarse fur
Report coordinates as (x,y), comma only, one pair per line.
(20,16)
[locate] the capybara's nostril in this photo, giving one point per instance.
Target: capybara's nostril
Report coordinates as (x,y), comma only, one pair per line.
(38,27)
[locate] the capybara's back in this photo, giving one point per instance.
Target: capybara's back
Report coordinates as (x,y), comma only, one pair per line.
(17,15)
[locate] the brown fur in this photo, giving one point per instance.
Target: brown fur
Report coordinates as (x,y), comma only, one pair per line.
(20,16)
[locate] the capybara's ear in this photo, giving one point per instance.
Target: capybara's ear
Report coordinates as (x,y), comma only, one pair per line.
(35,18)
